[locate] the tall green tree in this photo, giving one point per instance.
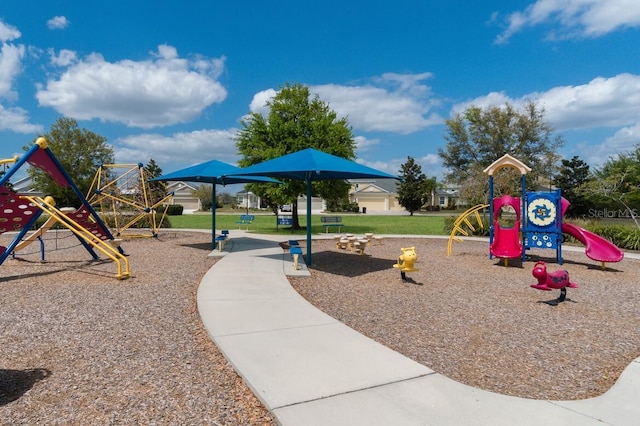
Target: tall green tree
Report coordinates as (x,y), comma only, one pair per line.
(80,152)
(571,176)
(296,121)
(414,189)
(478,136)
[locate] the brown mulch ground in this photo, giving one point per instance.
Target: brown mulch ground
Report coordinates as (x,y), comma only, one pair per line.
(81,347)
(478,322)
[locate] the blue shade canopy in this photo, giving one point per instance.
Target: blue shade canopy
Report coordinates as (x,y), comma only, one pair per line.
(312,165)
(213,172)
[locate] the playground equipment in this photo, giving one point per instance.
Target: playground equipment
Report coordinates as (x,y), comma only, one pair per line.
(596,248)
(552,280)
(6,161)
(19,213)
(123,194)
(38,233)
(462,221)
(506,242)
(537,224)
(406,261)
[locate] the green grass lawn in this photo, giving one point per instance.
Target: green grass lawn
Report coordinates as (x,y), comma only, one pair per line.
(352,223)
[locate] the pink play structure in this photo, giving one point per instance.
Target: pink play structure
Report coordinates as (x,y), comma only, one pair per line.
(596,247)
(506,242)
(538,222)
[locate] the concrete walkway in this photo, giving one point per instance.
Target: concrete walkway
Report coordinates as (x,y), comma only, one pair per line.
(310,369)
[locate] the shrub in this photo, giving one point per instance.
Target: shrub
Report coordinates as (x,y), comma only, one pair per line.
(479,229)
(624,237)
(173,209)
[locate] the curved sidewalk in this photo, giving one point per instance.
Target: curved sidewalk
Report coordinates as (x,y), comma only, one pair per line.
(310,369)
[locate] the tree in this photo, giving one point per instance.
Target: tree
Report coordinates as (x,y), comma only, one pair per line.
(572,175)
(157,189)
(204,193)
(80,152)
(296,121)
(477,137)
(618,180)
(7,184)
(225,198)
(414,189)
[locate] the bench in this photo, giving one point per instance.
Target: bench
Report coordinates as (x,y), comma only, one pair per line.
(331,222)
(221,239)
(295,251)
(245,219)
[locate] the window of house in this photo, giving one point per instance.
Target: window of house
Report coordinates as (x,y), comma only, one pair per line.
(443,200)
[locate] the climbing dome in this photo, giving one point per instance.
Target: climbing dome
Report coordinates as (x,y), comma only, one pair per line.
(127,201)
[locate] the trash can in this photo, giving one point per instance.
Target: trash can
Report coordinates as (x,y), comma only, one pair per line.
(364,210)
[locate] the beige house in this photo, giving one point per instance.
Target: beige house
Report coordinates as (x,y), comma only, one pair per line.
(183,195)
(382,195)
(375,195)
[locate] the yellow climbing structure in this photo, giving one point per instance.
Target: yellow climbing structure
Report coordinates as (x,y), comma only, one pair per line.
(462,221)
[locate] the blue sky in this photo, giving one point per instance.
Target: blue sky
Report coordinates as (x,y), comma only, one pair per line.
(171,80)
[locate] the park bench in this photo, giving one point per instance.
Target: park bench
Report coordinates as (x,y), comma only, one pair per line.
(221,239)
(295,251)
(331,222)
(245,220)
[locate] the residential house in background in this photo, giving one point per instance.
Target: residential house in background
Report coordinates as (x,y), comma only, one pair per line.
(24,186)
(375,195)
(183,195)
(443,198)
(247,200)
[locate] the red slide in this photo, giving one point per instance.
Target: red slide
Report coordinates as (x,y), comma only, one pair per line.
(596,247)
(506,242)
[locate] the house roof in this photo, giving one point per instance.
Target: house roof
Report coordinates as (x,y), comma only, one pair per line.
(375,185)
(180,185)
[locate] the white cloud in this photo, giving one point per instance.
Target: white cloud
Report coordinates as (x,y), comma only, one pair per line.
(431,165)
(397,103)
(64,58)
(57,23)
(11,56)
(602,102)
(17,120)
(623,141)
(576,18)
(10,66)
(179,150)
(392,166)
(363,143)
(490,99)
(8,32)
(152,93)
(625,137)
(259,102)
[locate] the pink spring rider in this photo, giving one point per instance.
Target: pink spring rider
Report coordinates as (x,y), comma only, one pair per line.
(552,280)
